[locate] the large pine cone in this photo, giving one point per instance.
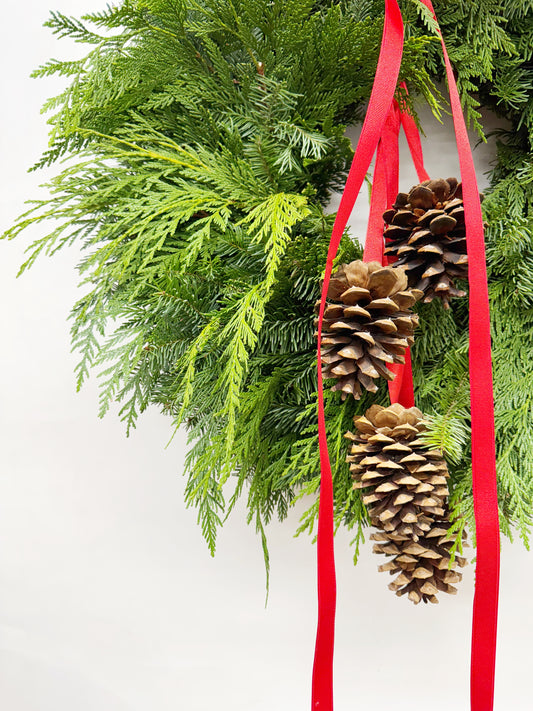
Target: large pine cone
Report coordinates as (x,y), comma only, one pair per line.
(405,487)
(424,567)
(404,484)
(426,233)
(368,323)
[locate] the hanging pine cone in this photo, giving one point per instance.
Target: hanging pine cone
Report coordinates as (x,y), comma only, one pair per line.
(426,233)
(368,323)
(405,487)
(404,483)
(424,567)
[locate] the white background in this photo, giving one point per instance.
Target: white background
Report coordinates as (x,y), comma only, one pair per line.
(109,600)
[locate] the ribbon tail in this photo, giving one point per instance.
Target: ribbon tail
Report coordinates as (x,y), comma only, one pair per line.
(380,100)
(484,482)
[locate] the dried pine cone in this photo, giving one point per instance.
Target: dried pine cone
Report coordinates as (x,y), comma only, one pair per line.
(405,487)
(427,234)
(424,567)
(404,484)
(367,324)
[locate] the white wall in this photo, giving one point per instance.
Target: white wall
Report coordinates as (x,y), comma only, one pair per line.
(109,600)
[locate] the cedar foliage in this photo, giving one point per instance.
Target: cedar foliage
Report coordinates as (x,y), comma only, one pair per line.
(204,139)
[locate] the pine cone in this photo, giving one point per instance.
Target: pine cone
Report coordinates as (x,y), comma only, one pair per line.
(367,324)
(427,234)
(405,487)
(424,567)
(405,483)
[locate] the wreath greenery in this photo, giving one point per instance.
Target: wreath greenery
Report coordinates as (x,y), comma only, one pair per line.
(204,139)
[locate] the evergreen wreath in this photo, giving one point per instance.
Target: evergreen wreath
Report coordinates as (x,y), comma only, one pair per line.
(204,140)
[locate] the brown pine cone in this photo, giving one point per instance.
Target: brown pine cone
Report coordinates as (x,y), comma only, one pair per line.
(368,323)
(404,484)
(424,567)
(426,233)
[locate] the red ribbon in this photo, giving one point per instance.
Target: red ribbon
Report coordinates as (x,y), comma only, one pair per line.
(485,616)
(378,124)
(380,100)
(413,141)
(384,192)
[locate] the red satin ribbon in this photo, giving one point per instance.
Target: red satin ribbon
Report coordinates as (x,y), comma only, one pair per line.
(483,448)
(380,100)
(485,615)
(413,140)
(383,195)
(384,192)
(384,185)
(401,389)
